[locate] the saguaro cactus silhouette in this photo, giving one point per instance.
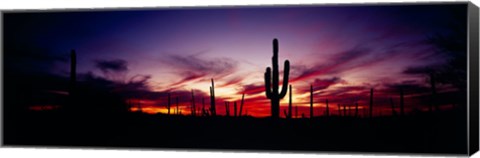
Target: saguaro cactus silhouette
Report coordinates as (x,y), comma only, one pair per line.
(393,107)
(311,101)
(227,109)
(193,104)
(178,112)
(212,99)
(434,92)
(73,74)
(241,105)
(371,103)
(271,82)
(168,104)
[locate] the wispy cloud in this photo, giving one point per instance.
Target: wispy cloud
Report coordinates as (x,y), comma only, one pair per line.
(193,67)
(115,65)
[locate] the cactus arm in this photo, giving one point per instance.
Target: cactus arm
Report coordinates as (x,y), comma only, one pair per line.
(268,84)
(286,71)
(290,103)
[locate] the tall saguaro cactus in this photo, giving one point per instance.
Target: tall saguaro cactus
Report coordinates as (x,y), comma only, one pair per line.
(272,82)
(73,73)
(212,99)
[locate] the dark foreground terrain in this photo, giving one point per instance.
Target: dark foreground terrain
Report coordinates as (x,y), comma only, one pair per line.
(425,133)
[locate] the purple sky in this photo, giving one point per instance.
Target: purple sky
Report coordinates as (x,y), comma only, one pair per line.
(334,48)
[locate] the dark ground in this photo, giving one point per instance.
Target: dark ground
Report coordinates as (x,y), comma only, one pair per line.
(423,133)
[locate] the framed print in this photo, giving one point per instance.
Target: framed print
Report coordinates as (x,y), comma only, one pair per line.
(375,78)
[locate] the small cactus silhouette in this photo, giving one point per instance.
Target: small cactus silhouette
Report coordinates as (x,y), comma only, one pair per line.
(73,73)
(434,92)
(212,99)
(227,109)
(193,104)
(178,112)
(272,82)
(393,107)
(241,105)
(168,104)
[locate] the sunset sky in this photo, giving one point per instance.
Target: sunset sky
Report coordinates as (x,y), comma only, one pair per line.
(342,51)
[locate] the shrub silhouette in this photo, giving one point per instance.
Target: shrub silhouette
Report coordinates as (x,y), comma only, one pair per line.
(271,82)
